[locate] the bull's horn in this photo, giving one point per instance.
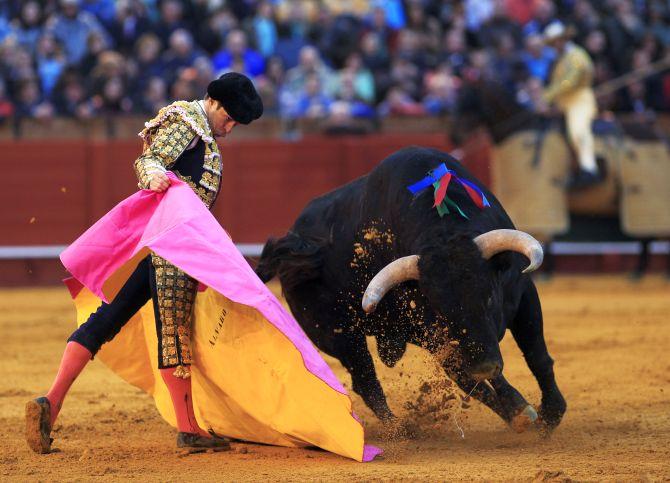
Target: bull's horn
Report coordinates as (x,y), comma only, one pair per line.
(398,271)
(496,241)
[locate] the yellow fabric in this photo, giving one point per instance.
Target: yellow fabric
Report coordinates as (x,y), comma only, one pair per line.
(249,381)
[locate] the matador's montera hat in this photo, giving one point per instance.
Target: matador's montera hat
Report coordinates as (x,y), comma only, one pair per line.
(238,96)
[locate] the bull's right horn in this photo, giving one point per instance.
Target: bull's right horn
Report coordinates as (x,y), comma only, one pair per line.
(398,271)
(496,241)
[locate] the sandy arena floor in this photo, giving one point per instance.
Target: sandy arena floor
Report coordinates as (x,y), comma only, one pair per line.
(610,339)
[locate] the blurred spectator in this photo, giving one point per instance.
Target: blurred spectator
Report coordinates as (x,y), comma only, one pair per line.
(6,106)
(50,63)
(586,19)
(400,103)
(28,27)
(70,96)
(180,54)
(543,14)
(19,65)
(441,90)
(312,103)
(265,30)
(497,26)
(113,98)
(171,19)
(361,79)
(215,28)
(377,61)
(111,65)
(310,65)
(349,98)
(659,21)
(148,61)
(269,85)
(340,39)
(96,45)
(30,102)
(201,73)
(406,76)
(384,34)
(129,24)
(103,10)
(72,27)
(504,61)
(537,57)
(238,57)
(478,12)
(184,89)
(623,30)
(153,97)
(455,50)
(521,11)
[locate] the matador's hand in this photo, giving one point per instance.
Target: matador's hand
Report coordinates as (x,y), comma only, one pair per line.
(159,182)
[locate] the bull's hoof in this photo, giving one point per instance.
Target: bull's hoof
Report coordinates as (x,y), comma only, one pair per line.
(550,416)
(524,420)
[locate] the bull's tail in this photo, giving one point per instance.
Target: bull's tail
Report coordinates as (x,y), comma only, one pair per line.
(295,259)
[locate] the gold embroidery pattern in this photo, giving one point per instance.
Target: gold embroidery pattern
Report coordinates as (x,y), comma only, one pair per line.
(206,196)
(162,147)
(168,135)
(213,163)
(176,293)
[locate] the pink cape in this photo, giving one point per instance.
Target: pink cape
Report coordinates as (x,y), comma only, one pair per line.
(177,226)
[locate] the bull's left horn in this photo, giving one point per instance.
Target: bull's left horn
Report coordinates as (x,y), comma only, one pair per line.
(496,241)
(398,271)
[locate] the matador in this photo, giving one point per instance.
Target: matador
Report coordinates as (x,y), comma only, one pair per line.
(181,138)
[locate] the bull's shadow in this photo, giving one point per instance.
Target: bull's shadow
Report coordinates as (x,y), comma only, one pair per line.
(370,259)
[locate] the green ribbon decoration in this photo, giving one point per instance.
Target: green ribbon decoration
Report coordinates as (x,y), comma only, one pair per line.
(443,208)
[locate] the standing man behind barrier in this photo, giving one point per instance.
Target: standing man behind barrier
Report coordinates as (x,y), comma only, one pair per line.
(570,90)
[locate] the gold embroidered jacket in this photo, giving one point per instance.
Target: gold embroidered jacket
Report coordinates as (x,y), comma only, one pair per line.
(167,137)
(573,70)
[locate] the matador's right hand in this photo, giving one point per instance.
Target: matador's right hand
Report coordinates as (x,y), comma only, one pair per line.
(159,182)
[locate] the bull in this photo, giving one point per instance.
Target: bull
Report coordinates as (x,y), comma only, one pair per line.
(371,259)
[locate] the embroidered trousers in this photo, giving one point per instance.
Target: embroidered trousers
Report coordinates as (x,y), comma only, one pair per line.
(173,293)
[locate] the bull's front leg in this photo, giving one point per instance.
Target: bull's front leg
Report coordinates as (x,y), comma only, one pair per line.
(352,351)
(528,332)
(499,395)
(519,414)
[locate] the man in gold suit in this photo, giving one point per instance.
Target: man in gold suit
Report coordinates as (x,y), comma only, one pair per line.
(181,138)
(570,90)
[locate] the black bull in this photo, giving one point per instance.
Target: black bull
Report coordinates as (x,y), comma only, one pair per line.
(457,305)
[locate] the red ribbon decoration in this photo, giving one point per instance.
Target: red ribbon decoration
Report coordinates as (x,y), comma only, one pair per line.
(476,198)
(442,190)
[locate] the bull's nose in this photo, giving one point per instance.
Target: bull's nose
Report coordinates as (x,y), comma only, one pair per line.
(486,370)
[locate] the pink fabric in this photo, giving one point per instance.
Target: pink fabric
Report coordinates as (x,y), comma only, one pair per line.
(166,223)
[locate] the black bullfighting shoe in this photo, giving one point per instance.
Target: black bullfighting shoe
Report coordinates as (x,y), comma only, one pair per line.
(198,442)
(38,425)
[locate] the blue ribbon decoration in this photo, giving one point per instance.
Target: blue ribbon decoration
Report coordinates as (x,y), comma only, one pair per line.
(437,174)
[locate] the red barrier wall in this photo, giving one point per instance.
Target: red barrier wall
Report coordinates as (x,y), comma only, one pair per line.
(56,189)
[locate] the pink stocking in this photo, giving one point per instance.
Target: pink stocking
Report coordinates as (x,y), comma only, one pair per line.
(75,358)
(182,400)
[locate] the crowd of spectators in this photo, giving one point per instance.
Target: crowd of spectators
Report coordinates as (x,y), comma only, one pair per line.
(342,59)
